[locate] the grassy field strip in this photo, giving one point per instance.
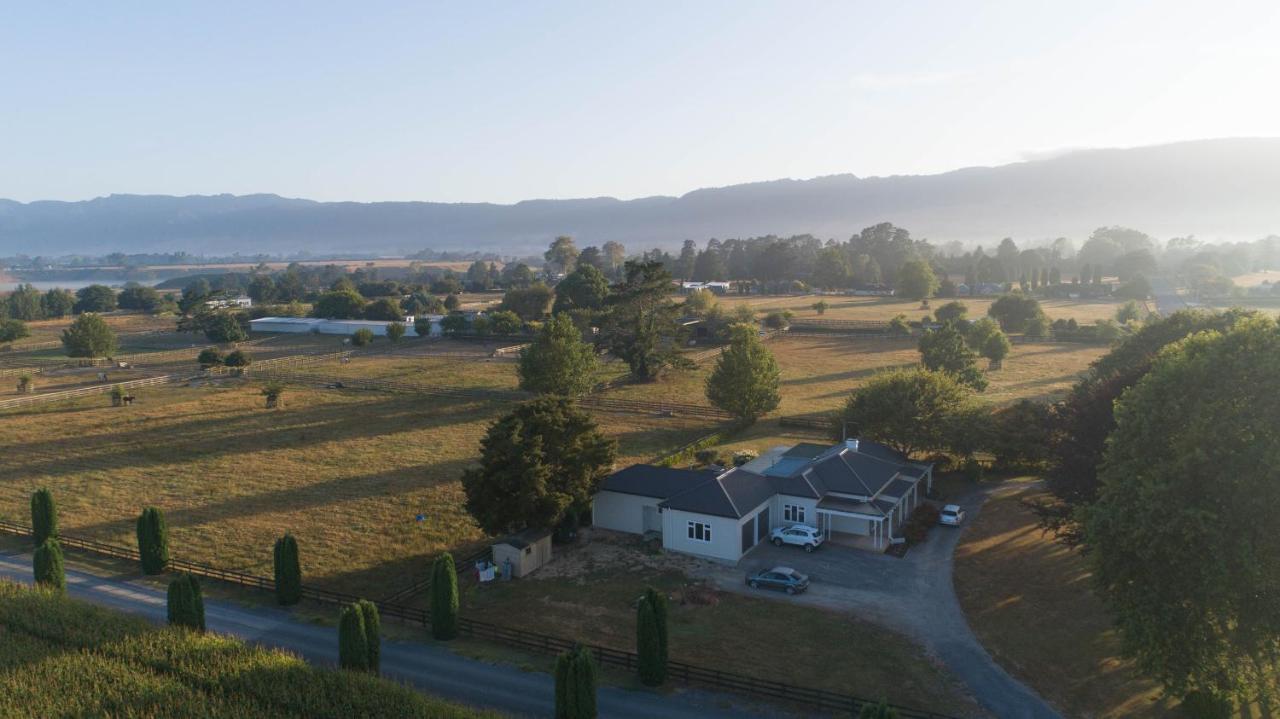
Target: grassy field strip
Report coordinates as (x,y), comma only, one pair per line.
(29,399)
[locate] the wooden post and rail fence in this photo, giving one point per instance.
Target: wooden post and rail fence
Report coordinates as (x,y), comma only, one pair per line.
(683,672)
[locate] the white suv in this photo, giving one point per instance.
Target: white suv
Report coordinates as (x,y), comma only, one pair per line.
(951,515)
(801,535)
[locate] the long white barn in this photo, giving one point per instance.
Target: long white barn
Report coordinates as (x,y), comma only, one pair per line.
(313,325)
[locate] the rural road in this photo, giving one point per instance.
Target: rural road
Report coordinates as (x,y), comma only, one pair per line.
(1168,300)
(914,595)
(434,670)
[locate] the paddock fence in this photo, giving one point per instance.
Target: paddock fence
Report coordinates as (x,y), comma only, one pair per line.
(689,674)
(99,389)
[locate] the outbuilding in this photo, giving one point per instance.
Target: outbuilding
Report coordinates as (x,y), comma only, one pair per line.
(525,551)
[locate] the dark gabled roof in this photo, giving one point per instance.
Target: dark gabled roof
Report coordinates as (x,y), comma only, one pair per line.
(807,450)
(897,488)
(840,504)
(647,480)
(732,494)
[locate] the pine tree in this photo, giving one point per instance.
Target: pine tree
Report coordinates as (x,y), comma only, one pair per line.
(372,633)
(444,598)
(651,667)
(186,602)
(288,571)
(153,541)
(44,516)
(47,565)
(563,662)
(353,642)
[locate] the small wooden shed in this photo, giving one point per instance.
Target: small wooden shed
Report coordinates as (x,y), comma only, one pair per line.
(526,551)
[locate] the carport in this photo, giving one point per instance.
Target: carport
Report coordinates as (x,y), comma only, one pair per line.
(851,516)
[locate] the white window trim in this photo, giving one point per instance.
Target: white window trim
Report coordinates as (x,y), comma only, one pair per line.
(693,532)
(793,513)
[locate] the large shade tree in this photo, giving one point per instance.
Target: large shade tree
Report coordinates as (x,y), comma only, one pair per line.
(910,410)
(558,361)
(1181,536)
(945,350)
(745,380)
(89,336)
(536,463)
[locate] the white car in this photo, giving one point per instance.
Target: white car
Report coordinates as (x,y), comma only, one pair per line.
(952,515)
(801,535)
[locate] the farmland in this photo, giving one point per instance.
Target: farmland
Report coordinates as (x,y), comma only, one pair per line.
(884,308)
(66,658)
(336,468)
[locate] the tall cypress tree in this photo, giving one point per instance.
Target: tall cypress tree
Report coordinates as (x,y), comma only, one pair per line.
(651,669)
(353,643)
(658,601)
(563,662)
(47,565)
(444,598)
(583,685)
(186,602)
(153,541)
(372,633)
(44,516)
(288,571)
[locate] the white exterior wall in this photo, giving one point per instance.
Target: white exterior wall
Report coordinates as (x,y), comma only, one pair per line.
(726,540)
(621,512)
(776,518)
(335,327)
(850,525)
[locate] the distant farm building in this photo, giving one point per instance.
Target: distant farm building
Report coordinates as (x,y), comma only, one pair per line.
(312,325)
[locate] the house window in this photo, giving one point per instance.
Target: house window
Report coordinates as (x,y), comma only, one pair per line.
(793,513)
(699,531)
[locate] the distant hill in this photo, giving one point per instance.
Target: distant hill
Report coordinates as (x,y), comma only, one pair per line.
(1215,189)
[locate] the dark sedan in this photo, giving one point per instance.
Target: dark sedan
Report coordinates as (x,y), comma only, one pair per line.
(784,579)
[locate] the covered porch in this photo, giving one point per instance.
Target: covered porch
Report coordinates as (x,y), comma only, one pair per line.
(854,523)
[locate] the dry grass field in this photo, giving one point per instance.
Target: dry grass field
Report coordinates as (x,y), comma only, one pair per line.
(589,594)
(1030,601)
(122,322)
(819,373)
(345,471)
(886,308)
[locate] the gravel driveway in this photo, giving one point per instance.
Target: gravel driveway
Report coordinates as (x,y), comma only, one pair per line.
(913,595)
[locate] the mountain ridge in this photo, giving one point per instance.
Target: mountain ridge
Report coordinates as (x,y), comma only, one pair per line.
(1215,189)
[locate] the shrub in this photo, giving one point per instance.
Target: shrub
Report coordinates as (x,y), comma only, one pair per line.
(153,541)
(186,602)
(47,565)
(778,320)
(44,516)
(26,384)
(274,392)
(820,307)
(444,598)
(919,522)
(899,327)
(237,358)
(395,331)
(11,329)
(209,357)
(353,640)
(288,571)
(878,711)
(743,456)
(362,337)
(707,456)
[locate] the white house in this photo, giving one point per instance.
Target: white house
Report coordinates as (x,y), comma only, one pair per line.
(240,303)
(858,487)
(302,325)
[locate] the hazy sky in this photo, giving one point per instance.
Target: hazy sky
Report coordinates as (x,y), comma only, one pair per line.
(506,101)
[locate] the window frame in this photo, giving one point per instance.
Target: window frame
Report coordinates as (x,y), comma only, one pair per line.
(696,528)
(793,513)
